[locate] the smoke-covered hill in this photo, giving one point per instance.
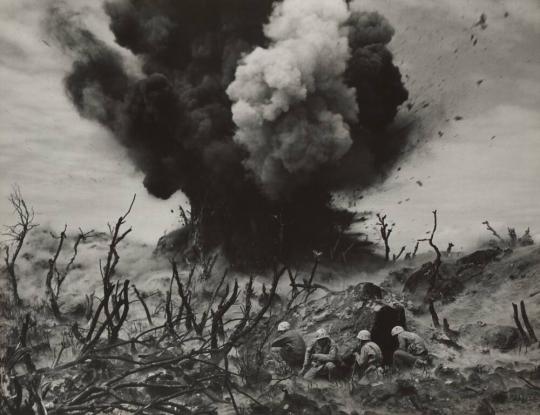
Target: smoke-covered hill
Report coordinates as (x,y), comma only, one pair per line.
(480,359)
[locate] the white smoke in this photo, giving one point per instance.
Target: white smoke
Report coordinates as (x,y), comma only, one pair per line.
(290,103)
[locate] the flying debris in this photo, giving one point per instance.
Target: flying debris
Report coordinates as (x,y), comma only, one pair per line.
(481,22)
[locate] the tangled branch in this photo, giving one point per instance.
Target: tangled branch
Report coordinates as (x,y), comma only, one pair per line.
(16,235)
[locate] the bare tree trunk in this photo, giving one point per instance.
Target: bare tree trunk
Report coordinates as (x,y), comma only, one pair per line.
(524,336)
(143,303)
(415,249)
(434,315)
(122,300)
(13,282)
(493,231)
(437,262)
(51,294)
(396,257)
(385,232)
(17,234)
(30,366)
(527,323)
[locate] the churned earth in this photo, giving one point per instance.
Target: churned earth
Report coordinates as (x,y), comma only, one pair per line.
(480,362)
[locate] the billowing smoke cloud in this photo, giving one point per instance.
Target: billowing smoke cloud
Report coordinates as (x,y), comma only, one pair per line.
(97,82)
(291,105)
(254,110)
(379,89)
(367,28)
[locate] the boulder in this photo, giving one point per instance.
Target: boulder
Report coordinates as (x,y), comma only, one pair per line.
(492,336)
(480,257)
(368,291)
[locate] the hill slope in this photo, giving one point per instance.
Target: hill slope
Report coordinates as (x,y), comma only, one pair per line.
(481,357)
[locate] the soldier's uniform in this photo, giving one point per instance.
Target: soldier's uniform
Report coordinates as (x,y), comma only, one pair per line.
(369,360)
(292,348)
(412,349)
(317,366)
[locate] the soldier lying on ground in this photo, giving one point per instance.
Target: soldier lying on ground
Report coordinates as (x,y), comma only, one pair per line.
(369,358)
(412,349)
(290,345)
(321,357)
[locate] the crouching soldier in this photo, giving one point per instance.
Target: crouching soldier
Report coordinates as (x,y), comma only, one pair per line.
(412,349)
(321,357)
(290,345)
(369,359)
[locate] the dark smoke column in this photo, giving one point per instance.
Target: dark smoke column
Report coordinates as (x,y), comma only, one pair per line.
(246,107)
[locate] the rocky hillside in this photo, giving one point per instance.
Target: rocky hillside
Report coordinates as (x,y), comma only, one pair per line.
(481,363)
(195,342)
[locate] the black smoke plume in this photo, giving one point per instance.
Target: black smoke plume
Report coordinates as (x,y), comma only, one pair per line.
(255,110)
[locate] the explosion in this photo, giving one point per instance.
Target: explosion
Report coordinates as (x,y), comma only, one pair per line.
(256,111)
(291,105)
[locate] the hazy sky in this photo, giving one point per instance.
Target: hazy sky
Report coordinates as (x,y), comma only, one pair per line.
(67,167)
(485,166)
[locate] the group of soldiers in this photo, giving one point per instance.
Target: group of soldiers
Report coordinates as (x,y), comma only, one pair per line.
(322,358)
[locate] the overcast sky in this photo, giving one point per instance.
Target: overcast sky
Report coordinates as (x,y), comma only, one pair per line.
(487,165)
(484,166)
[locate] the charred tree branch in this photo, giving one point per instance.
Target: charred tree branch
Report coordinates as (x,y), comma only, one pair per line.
(527,323)
(16,236)
(524,336)
(385,232)
(434,316)
(437,263)
(493,231)
(143,303)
